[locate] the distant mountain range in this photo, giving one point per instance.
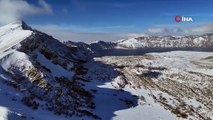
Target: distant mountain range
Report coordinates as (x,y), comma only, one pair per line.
(191,41)
(205,40)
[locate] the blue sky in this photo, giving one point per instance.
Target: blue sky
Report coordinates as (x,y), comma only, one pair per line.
(123,15)
(113,16)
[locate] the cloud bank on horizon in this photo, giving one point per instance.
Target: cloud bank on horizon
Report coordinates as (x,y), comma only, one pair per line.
(176,30)
(92,20)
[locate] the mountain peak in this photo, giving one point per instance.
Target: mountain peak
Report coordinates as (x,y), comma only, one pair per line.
(18,24)
(23,25)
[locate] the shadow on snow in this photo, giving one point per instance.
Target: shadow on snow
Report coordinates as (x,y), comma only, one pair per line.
(108,99)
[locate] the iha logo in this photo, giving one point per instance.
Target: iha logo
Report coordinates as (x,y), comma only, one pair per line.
(183,19)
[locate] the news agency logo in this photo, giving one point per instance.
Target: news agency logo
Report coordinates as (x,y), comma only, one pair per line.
(183,19)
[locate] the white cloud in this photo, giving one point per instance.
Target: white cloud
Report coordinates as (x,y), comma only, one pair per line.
(45,7)
(181,30)
(157,31)
(11,10)
(204,28)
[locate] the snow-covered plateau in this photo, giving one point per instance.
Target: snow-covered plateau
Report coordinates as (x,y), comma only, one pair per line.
(169,85)
(44,79)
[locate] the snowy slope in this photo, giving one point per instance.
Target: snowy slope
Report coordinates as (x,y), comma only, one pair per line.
(44,73)
(122,103)
(12,34)
(10,115)
(12,108)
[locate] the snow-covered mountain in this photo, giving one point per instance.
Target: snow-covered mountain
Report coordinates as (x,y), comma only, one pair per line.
(191,41)
(205,40)
(43,72)
(92,47)
(101,45)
